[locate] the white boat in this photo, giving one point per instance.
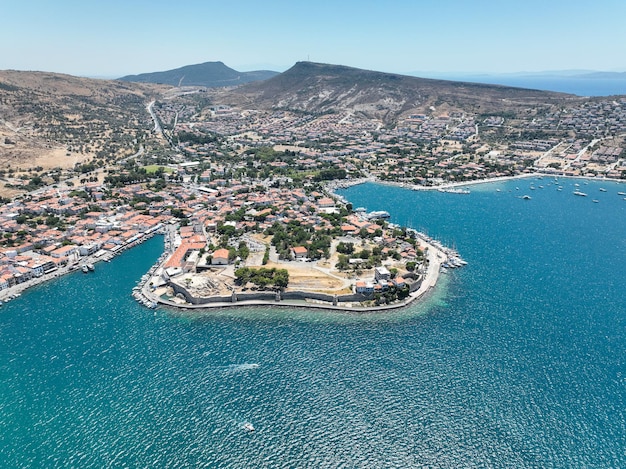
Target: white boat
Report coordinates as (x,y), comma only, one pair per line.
(582,194)
(247,426)
(621,193)
(91,267)
(84,268)
(454,190)
(526,197)
(595,201)
(381,214)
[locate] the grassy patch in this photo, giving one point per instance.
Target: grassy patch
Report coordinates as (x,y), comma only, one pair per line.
(151,169)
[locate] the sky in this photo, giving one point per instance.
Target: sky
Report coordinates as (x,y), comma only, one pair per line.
(113,38)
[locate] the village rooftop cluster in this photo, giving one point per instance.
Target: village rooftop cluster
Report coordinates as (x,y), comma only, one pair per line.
(423,149)
(212,225)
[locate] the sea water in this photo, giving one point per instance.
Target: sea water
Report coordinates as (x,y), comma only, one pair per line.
(516,360)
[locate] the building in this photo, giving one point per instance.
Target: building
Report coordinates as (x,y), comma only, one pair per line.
(381,273)
(220,257)
(299,252)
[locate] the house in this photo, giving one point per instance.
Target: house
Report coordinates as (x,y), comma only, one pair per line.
(64,252)
(349,229)
(220,257)
(299,252)
(364,288)
(5,281)
(325,202)
(399,282)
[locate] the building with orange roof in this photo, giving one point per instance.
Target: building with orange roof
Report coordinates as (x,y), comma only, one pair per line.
(220,257)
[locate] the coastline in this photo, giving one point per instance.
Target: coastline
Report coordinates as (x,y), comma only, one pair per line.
(428,282)
(16,290)
(436,257)
(344,184)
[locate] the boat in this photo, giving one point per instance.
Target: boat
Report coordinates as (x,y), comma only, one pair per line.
(452,190)
(247,426)
(595,201)
(84,268)
(526,197)
(602,189)
(621,193)
(90,267)
(380,214)
(582,194)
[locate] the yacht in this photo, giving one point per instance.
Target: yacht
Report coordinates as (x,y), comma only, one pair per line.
(582,194)
(84,268)
(247,426)
(378,215)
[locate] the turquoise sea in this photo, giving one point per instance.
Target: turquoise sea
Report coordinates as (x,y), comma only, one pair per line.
(517,360)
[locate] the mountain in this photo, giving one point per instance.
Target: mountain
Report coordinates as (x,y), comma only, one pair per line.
(209,74)
(321,88)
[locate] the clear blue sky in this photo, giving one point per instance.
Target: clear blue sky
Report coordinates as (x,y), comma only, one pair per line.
(114,37)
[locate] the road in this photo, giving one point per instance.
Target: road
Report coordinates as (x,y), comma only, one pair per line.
(157,126)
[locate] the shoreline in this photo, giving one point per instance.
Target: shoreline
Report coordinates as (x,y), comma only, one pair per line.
(15,291)
(428,283)
(330,187)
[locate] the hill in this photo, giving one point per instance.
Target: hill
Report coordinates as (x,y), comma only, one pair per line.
(320,88)
(51,120)
(209,74)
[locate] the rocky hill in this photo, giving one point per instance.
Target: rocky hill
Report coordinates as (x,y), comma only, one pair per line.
(209,74)
(320,88)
